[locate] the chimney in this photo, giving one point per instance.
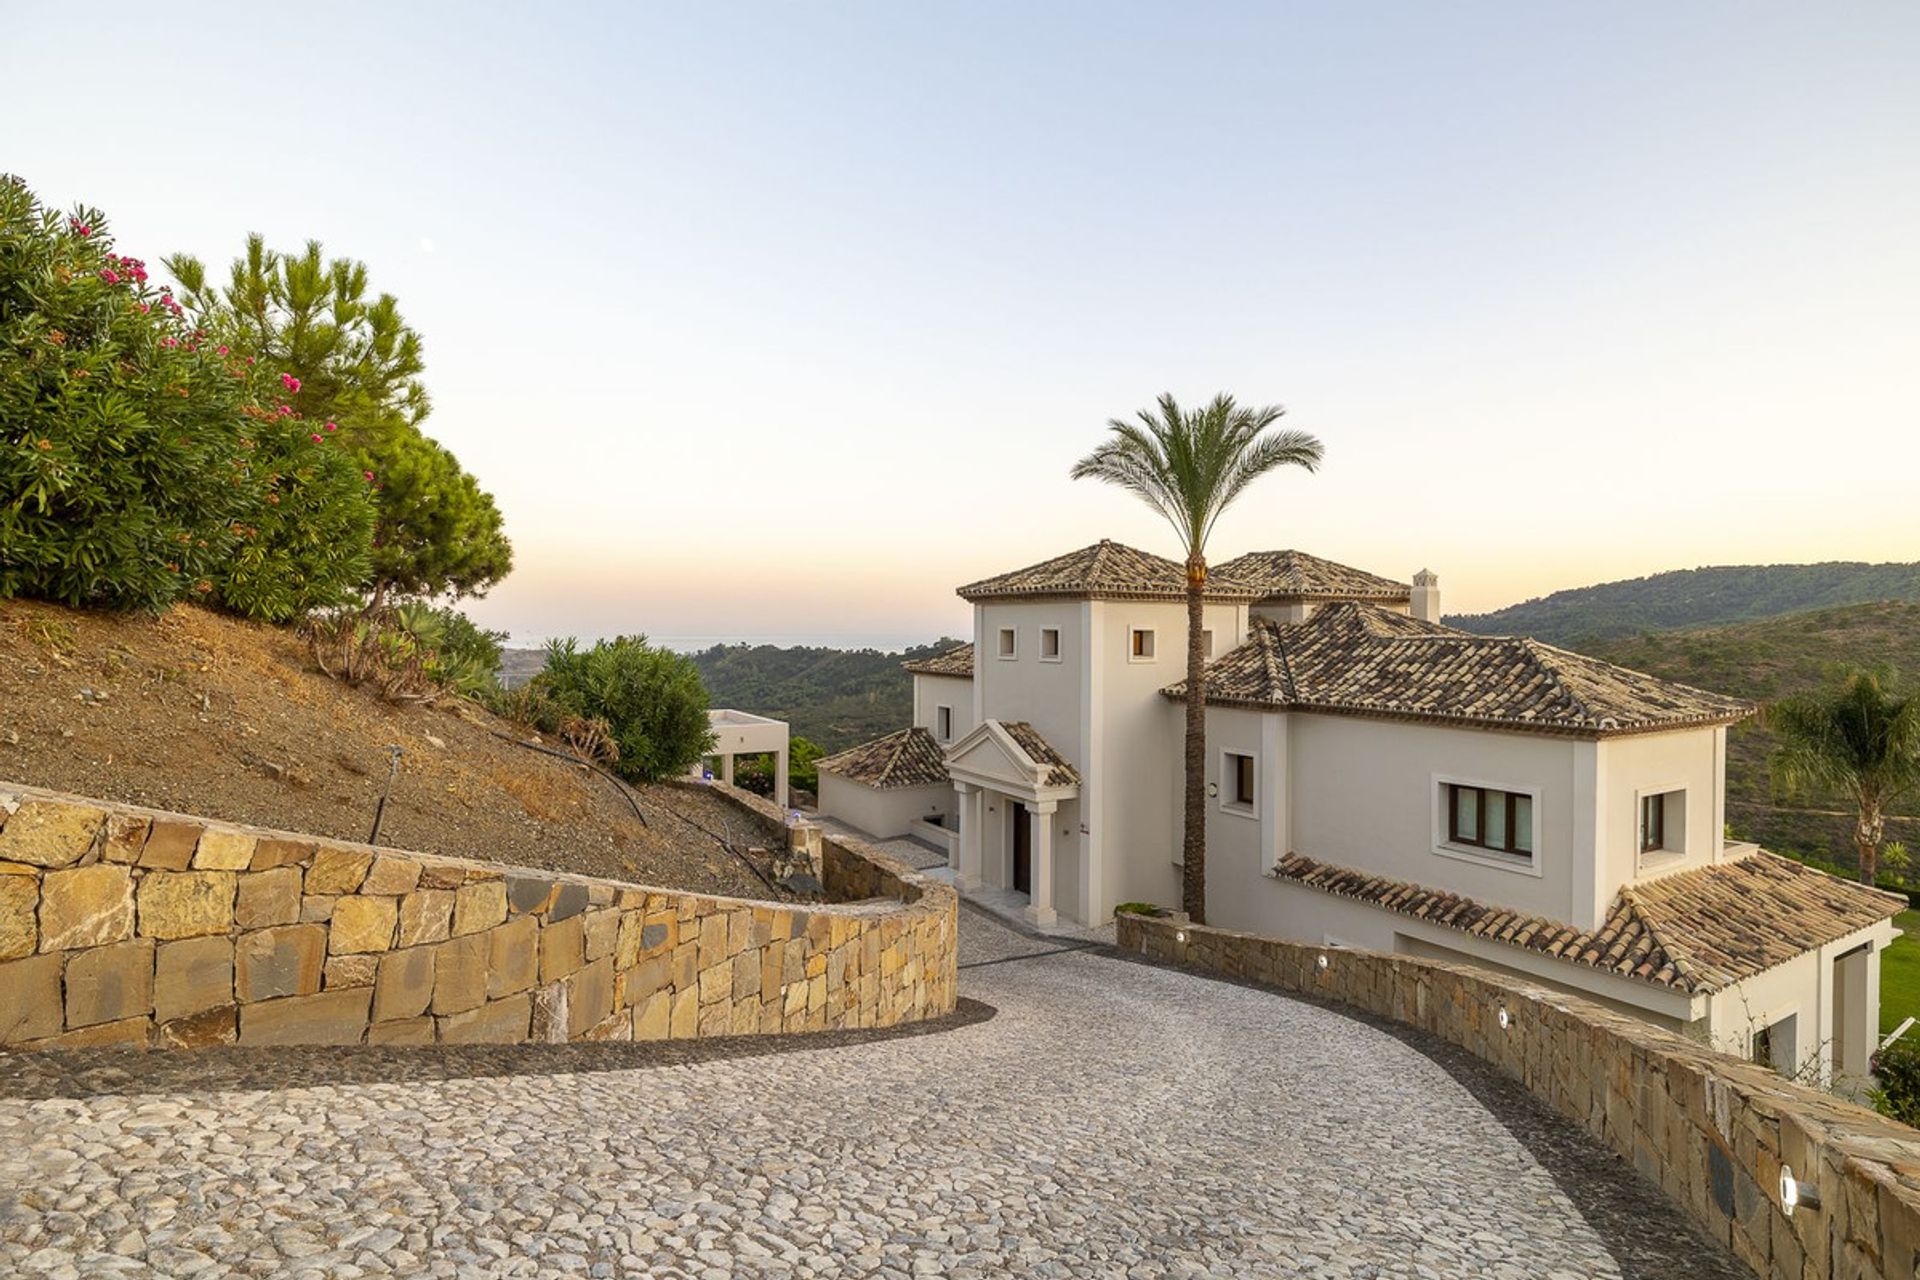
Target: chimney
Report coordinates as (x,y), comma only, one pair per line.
(1426,596)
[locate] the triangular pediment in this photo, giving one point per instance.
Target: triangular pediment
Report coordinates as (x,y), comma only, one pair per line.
(992,756)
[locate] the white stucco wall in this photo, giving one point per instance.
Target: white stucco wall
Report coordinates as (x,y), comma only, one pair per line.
(882,813)
(1647,764)
(933,692)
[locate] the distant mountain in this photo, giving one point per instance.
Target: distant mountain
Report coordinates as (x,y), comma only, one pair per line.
(1765,660)
(1694,598)
(836,697)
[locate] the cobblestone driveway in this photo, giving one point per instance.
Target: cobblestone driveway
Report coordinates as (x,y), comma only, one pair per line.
(1110,1120)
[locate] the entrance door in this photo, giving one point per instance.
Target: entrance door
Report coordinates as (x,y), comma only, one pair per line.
(1022,847)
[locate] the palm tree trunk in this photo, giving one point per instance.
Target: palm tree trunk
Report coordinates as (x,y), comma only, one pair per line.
(1193,856)
(1868,832)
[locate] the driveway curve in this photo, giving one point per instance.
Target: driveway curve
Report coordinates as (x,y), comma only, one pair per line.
(1110,1119)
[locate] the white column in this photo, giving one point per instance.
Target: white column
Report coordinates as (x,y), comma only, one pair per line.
(973,818)
(726,768)
(780,777)
(1040,901)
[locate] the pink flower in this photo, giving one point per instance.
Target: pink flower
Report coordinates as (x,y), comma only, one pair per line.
(249,359)
(316,437)
(222,350)
(290,382)
(369,476)
(168,342)
(110,276)
(284,410)
(81,229)
(333,426)
(144,308)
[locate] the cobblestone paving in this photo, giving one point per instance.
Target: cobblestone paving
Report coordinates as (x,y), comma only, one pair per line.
(1111,1120)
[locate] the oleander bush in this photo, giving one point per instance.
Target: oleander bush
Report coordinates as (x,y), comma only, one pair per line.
(650,699)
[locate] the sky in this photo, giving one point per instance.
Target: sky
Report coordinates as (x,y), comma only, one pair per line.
(785,320)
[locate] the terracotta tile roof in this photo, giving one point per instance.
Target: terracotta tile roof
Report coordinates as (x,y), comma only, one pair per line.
(1696,931)
(1295,575)
(908,758)
(957,661)
(1060,770)
(1105,570)
(1361,659)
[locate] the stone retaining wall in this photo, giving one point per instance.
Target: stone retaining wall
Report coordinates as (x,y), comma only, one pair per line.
(126,926)
(1711,1130)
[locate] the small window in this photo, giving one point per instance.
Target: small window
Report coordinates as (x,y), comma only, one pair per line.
(1240,781)
(1140,646)
(1206,643)
(1663,822)
(1500,821)
(1006,642)
(1049,644)
(943,723)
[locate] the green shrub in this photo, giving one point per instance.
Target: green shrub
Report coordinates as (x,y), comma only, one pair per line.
(1137,909)
(803,757)
(463,655)
(305,543)
(652,701)
(1897,1092)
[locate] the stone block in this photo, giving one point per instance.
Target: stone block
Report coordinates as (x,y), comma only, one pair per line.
(30,998)
(185,904)
(48,833)
(646,978)
(128,1033)
(332,1017)
(496,1022)
(601,931)
(170,845)
(272,852)
(684,1022)
(403,984)
(562,949)
(441,875)
(224,849)
(569,900)
(362,924)
(283,961)
(460,981)
(317,908)
(713,941)
(746,976)
(268,898)
(391,875)
(716,1019)
(528,893)
(479,907)
(350,971)
(192,976)
(513,956)
(337,871)
(549,1014)
(110,984)
(86,906)
(126,836)
(426,915)
(202,1030)
(650,1018)
(19,919)
(716,983)
(408,1031)
(589,997)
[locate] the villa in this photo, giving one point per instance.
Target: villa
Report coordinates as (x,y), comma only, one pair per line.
(1375,779)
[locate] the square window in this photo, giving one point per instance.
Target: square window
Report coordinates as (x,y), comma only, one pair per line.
(1238,783)
(1663,822)
(1007,648)
(1206,643)
(1050,644)
(1140,647)
(943,723)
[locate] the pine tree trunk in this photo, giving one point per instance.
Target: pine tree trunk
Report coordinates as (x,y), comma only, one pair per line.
(1867,835)
(1193,873)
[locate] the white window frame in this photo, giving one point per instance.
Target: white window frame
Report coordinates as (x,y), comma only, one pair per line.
(1007,648)
(1153,644)
(944,732)
(1229,778)
(1055,633)
(1437,784)
(1206,643)
(1673,835)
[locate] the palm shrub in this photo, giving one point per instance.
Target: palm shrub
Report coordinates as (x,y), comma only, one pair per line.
(1190,466)
(1860,737)
(651,699)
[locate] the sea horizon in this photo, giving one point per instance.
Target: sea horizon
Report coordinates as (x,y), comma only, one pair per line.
(883,642)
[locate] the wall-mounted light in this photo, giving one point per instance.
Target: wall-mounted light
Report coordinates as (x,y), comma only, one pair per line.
(1793,1192)
(1506,1019)
(1321,962)
(1179,935)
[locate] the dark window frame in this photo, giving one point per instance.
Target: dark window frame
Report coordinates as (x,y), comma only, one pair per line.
(1510,800)
(943,723)
(1653,823)
(1241,786)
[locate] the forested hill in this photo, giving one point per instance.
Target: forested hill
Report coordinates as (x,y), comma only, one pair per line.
(836,697)
(1694,598)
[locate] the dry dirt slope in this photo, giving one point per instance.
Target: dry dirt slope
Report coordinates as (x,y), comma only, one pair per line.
(197,712)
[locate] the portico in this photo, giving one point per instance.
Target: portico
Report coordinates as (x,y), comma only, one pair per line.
(1011,787)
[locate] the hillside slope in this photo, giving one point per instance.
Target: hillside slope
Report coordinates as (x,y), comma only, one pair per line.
(836,697)
(1769,659)
(202,713)
(1694,598)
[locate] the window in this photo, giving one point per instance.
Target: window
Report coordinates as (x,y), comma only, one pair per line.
(943,723)
(1482,818)
(1140,645)
(1206,643)
(1239,781)
(1049,644)
(1006,642)
(1653,823)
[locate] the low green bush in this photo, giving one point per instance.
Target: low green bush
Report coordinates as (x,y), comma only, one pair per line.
(1896,1093)
(650,699)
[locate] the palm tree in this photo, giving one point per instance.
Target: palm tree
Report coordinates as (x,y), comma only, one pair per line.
(1858,736)
(1190,466)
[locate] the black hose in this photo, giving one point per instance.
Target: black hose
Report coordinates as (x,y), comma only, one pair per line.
(618,783)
